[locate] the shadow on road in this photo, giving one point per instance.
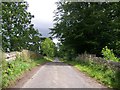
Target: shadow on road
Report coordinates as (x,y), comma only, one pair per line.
(57,64)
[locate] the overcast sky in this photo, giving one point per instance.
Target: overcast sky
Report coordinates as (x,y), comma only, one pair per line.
(43,12)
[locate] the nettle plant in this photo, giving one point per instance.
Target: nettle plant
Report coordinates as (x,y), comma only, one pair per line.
(109,55)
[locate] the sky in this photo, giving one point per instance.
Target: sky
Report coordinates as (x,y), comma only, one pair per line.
(43,15)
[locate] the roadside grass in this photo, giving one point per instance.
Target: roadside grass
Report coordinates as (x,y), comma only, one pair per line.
(103,74)
(11,71)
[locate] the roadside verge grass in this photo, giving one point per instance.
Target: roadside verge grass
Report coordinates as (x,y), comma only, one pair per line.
(11,71)
(103,74)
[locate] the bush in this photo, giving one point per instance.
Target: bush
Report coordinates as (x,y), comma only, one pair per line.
(109,55)
(12,70)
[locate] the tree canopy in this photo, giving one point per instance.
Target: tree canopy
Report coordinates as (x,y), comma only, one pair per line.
(48,47)
(17,31)
(87,26)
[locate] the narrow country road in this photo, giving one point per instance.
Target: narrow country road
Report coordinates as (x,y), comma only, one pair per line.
(59,75)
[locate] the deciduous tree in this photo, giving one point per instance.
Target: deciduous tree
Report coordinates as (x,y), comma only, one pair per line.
(48,47)
(17,31)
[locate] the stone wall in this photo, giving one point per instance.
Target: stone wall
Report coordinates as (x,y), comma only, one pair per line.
(26,54)
(99,60)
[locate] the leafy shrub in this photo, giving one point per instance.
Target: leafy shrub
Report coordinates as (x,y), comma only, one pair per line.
(109,55)
(12,70)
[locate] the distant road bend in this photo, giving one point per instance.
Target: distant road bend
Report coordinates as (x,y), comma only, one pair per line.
(60,75)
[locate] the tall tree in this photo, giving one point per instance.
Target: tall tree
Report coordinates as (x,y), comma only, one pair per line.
(17,31)
(86,26)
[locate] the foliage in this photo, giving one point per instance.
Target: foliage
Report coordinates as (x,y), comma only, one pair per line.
(17,31)
(12,70)
(87,26)
(102,73)
(48,47)
(109,55)
(66,53)
(117,50)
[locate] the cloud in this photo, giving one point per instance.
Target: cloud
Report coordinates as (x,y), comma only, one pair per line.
(43,27)
(55,40)
(43,12)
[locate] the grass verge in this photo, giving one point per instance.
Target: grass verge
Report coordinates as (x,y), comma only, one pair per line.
(103,74)
(12,70)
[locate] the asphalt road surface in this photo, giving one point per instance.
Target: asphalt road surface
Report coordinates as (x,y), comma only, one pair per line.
(59,75)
